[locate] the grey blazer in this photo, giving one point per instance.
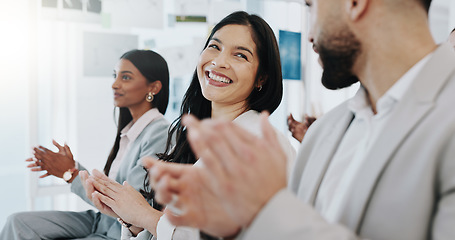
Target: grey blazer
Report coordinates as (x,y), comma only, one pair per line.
(151,141)
(404,191)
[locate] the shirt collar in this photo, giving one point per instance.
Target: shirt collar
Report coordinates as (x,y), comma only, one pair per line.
(399,88)
(360,105)
(132,130)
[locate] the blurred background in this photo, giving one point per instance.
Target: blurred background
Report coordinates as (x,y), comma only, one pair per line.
(56,65)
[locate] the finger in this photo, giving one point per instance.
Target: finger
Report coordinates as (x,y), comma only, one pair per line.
(107,200)
(89,188)
(43,153)
(292,129)
(290,119)
(173,206)
(225,149)
(105,187)
(190,121)
(102,178)
(60,147)
(193,133)
(165,188)
(99,186)
(37,153)
(127,186)
(98,174)
(68,151)
(97,201)
(247,149)
(44,149)
(105,179)
(208,140)
(161,168)
(148,161)
(30,159)
(83,174)
(37,169)
(44,175)
(196,133)
(201,148)
(32,165)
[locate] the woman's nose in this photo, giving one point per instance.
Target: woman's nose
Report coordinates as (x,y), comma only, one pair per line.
(115,85)
(221,61)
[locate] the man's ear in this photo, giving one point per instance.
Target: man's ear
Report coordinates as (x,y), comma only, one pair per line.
(356,8)
(155,87)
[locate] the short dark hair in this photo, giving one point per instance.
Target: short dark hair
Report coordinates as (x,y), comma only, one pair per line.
(453,30)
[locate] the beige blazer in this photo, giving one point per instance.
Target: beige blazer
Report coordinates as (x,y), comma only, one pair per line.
(404,191)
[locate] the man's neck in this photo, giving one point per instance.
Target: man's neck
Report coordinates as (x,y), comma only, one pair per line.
(381,68)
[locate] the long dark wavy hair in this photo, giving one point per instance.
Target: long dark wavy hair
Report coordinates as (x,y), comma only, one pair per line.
(268,98)
(154,68)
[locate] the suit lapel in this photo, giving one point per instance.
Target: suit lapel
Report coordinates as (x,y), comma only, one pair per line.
(317,166)
(415,105)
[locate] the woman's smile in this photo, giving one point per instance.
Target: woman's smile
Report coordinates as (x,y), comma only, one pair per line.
(217,79)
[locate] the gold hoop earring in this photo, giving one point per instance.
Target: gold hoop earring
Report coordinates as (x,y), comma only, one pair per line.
(149,97)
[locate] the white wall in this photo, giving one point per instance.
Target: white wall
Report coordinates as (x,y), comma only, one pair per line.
(15,49)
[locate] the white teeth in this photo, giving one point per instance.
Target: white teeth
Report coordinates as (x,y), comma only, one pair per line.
(219,78)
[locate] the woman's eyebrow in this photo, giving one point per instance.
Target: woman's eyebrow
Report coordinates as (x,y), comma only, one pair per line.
(245,49)
(237,47)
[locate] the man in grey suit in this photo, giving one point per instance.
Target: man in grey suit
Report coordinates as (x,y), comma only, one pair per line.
(379,166)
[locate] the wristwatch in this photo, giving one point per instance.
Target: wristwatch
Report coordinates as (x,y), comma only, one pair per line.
(69,174)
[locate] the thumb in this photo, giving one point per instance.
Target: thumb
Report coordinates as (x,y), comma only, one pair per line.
(149,162)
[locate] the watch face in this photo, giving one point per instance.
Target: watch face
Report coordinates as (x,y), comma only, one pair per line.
(67,176)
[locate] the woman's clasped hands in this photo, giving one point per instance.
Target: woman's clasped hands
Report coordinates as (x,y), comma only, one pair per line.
(118,201)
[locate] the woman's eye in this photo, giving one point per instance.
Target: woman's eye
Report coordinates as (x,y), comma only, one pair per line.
(114,75)
(214,46)
(125,77)
(241,55)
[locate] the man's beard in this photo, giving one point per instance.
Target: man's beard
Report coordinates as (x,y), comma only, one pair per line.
(338,53)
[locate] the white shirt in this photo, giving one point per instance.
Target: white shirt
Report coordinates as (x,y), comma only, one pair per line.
(129,134)
(364,130)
